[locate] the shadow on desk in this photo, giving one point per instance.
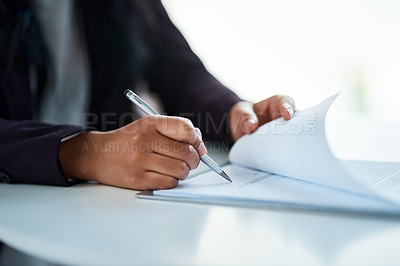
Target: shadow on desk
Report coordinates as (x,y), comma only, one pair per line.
(11,256)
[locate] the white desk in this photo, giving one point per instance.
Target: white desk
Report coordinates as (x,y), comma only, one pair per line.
(91,224)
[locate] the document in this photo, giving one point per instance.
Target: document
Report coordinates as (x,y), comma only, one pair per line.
(289,164)
(251,187)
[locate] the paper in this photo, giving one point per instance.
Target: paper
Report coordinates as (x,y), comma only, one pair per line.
(381,177)
(296,148)
(253,186)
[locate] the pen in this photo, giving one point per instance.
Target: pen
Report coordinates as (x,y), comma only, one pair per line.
(147,109)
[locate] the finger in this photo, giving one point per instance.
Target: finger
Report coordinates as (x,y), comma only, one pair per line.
(155,180)
(286,111)
(198,132)
(275,107)
(178,150)
(178,128)
(248,120)
(201,149)
(287,107)
(167,166)
(181,129)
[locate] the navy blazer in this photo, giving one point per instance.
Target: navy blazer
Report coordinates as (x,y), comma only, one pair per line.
(29,149)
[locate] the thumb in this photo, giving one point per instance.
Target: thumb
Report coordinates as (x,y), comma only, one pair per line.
(248,118)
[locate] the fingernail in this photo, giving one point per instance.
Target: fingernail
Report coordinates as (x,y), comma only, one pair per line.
(290,111)
(202,148)
(289,108)
(249,123)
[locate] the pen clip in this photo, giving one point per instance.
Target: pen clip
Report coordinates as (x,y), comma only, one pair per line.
(145,107)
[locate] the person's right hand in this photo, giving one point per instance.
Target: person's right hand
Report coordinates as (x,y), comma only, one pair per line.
(153,152)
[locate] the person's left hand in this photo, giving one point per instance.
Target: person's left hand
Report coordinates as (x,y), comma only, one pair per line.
(246,117)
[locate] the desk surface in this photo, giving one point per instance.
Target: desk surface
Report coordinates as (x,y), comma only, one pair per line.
(91,224)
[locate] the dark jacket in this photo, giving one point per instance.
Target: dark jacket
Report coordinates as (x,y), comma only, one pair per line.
(158,54)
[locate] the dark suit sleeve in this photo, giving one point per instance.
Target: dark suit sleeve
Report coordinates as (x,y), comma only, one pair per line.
(29,152)
(186,88)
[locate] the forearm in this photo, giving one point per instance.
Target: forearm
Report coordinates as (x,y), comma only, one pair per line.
(29,151)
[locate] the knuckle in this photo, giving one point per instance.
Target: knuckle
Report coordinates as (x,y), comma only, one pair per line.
(191,151)
(284,98)
(182,170)
(197,131)
(171,182)
(187,125)
(145,120)
(137,137)
(276,98)
(193,157)
(193,137)
(246,116)
(150,121)
(190,156)
(182,148)
(142,136)
(188,122)
(188,131)
(196,162)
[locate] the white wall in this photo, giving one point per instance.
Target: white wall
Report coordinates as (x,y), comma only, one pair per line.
(307,49)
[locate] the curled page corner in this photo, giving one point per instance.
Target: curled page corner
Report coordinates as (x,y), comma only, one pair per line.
(297,148)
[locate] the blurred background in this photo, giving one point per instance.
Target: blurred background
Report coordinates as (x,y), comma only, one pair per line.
(307,49)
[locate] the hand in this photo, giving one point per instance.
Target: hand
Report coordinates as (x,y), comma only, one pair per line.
(153,152)
(246,117)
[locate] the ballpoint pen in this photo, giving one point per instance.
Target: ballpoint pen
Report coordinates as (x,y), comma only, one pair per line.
(147,109)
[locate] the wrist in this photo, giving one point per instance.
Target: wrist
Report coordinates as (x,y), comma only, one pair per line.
(77,158)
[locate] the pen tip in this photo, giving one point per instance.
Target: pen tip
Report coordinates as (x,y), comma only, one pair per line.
(224,175)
